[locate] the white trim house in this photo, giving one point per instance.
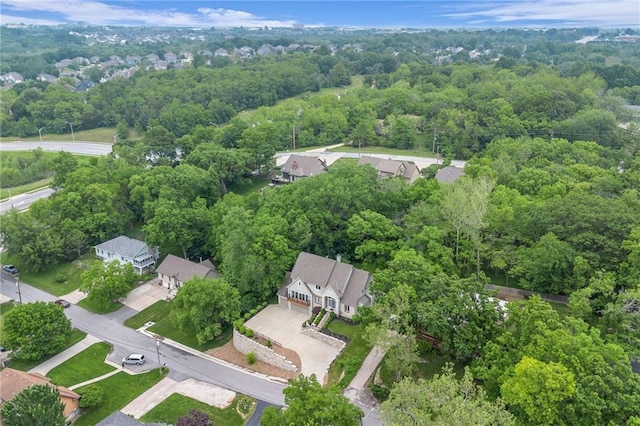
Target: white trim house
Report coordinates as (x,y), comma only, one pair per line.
(128,250)
(317,281)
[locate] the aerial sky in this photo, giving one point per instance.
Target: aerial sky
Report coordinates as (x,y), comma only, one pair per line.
(312,13)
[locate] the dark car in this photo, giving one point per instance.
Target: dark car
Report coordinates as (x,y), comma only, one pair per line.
(10,269)
(63,303)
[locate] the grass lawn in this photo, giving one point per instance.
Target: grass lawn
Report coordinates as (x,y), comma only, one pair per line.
(102,134)
(49,279)
(176,406)
(87,365)
(252,186)
(159,313)
(119,390)
(25,365)
(416,152)
(98,308)
(351,358)
(27,187)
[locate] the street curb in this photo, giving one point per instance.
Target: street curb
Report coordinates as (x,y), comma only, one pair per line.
(203,355)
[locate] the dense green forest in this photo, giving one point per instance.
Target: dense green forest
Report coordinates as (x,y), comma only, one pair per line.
(549,202)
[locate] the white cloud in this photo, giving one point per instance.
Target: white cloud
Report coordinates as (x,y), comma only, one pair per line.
(98,13)
(576,12)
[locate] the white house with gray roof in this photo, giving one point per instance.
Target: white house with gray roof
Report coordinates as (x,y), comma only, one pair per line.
(317,281)
(174,271)
(128,250)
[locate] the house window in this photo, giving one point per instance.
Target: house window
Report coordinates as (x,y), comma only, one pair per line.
(317,287)
(347,308)
(317,300)
(331,303)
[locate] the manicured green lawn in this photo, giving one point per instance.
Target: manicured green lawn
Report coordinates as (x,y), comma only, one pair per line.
(176,406)
(27,187)
(252,186)
(119,390)
(351,358)
(102,134)
(159,313)
(58,279)
(98,308)
(25,365)
(87,365)
(416,152)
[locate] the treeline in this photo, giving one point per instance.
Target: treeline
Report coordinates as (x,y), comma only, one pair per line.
(21,168)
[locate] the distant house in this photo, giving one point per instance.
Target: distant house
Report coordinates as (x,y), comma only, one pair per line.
(299,166)
(152,57)
(12,78)
(387,168)
(128,250)
(220,52)
(171,57)
(175,271)
(317,281)
(47,77)
(266,49)
(449,174)
(12,382)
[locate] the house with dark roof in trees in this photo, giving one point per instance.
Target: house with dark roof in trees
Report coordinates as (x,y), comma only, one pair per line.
(388,168)
(300,166)
(317,281)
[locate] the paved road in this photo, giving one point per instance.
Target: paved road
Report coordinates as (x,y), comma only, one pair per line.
(78,147)
(182,364)
(23,201)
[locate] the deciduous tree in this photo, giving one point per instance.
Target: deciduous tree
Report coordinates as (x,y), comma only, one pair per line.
(37,405)
(35,330)
(106,282)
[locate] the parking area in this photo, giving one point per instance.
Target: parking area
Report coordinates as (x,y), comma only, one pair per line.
(145,295)
(284,327)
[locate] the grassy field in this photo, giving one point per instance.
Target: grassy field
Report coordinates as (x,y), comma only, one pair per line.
(351,358)
(254,185)
(416,152)
(27,187)
(84,366)
(176,406)
(159,313)
(25,365)
(102,134)
(58,279)
(119,390)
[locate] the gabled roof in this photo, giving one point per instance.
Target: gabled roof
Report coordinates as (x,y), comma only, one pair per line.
(449,174)
(303,166)
(348,282)
(12,382)
(385,166)
(183,270)
(125,246)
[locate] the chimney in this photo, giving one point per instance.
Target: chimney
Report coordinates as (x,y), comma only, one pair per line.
(338,257)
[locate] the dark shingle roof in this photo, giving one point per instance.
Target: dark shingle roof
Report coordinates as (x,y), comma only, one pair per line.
(449,174)
(303,166)
(125,246)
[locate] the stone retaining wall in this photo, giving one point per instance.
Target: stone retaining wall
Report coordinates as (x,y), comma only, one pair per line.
(323,337)
(263,353)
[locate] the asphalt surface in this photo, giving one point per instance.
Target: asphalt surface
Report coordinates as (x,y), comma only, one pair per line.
(182,364)
(78,147)
(24,201)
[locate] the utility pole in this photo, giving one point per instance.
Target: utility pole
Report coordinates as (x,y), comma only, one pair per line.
(293,133)
(158,338)
(72,135)
(40,133)
(19,293)
(435,137)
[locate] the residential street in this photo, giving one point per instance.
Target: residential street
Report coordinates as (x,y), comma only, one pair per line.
(23,201)
(182,364)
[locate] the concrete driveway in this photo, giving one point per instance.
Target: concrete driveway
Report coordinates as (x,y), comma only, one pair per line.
(284,327)
(145,295)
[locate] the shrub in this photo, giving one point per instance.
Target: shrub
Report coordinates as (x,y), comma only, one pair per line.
(249,332)
(244,405)
(380,392)
(237,324)
(253,312)
(251,358)
(91,396)
(268,344)
(247,316)
(350,365)
(242,330)
(61,278)
(316,310)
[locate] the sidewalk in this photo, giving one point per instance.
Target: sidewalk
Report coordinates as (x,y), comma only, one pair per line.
(49,364)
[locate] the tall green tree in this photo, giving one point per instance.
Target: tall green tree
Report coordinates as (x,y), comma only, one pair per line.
(37,405)
(309,403)
(35,330)
(106,282)
(443,400)
(207,306)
